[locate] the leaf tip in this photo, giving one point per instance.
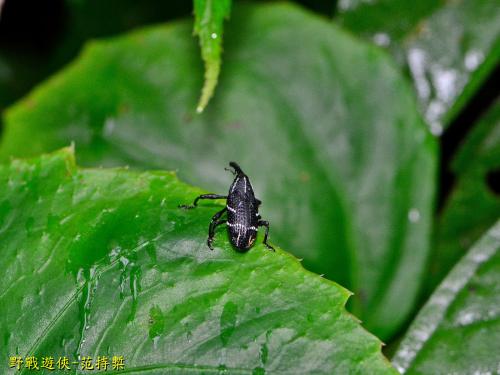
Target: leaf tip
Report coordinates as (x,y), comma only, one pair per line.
(71,147)
(212,70)
(68,155)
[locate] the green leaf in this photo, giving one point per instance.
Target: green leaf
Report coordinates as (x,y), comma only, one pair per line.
(209,19)
(102,262)
(458,329)
(334,145)
(458,229)
(449,47)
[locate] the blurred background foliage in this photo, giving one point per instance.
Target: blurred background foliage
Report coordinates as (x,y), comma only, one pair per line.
(387,63)
(39,37)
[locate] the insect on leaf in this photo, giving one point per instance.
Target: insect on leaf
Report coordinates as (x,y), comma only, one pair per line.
(102,262)
(339,155)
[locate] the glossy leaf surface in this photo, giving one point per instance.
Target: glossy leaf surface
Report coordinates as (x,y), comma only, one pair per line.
(458,329)
(477,167)
(102,262)
(449,47)
(209,25)
(338,155)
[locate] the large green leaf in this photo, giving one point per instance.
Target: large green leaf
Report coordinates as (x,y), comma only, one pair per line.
(458,330)
(100,262)
(209,19)
(329,133)
(458,229)
(449,47)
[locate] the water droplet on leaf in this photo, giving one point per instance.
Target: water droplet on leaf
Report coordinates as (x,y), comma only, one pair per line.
(414,215)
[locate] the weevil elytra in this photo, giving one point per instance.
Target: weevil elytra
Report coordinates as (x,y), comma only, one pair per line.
(242,208)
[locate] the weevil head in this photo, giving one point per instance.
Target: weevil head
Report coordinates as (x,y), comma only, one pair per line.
(236,168)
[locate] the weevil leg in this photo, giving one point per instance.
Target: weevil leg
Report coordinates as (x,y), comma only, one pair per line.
(264,223)
(214,223)
(211,238)
(203,196)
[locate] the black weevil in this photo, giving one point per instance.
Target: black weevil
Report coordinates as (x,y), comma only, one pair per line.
(243,218)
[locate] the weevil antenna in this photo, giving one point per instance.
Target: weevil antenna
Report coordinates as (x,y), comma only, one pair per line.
(233,172)
(230,170)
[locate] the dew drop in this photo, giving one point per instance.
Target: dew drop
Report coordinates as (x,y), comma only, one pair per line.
(382,39)
(436,129)
(473,59)
(89,275)
(135,288)
(109,127)
(417,62)
(124,261)
(479,257)
(414,215)
(213,36)
(155,342)
(345,5)
(466,317)
(445,83)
